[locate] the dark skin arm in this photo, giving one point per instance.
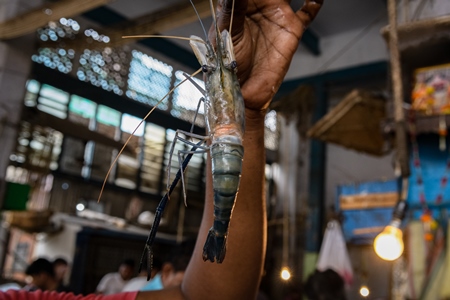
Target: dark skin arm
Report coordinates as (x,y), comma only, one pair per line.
(265,34)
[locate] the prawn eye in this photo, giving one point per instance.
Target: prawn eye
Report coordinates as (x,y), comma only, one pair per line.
(205,69)
(233,65)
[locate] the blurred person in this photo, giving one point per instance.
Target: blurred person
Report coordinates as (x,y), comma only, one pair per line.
(135,284)
(60,267)
(266,34)
(42,276)
(326,285)
(113,283)
(173,269)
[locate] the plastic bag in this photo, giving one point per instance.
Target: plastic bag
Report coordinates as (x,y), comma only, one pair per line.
(333,253)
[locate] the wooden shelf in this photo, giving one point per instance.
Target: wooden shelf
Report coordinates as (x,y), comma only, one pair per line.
(354,123)
(421,44)
(418,33)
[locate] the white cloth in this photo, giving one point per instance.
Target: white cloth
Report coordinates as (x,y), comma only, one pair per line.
(135,284)
(333,253)
(111,283)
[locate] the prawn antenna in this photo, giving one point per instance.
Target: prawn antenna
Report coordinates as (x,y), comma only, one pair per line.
(213,13)
(198,16)
(163,36)
(232,15)
(131,135)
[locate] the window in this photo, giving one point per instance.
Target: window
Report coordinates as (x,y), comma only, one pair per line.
(129,161)
(106,69)
(82,111)
(186,98)
(108,121)
(37,148)
(53,101)
(142,164)
(32,93)
(55,58)
(149,80)
(152,162)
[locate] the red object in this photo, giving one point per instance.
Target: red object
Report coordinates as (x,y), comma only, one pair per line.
(40,295)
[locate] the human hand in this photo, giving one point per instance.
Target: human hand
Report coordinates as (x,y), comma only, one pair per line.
(265,35)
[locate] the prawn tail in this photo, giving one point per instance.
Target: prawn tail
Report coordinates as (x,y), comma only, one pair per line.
(226,169)
(215,247)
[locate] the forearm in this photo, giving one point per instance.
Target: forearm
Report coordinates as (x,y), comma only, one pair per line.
(239,274)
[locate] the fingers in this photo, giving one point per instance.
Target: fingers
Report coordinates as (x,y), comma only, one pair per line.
(309,11)
(228,8)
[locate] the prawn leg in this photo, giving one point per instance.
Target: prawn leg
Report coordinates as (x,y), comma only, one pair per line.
(159,211)
(187,142)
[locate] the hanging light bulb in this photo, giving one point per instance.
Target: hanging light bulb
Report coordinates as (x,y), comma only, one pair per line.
(364,291)
(285,274)
(389,243)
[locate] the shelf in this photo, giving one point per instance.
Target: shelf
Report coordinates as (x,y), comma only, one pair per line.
(354,123)
(416,33)
(422,43)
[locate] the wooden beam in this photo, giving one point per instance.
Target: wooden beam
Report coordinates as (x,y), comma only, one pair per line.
(368,201)
(172,17)
(164,20)
(39,17)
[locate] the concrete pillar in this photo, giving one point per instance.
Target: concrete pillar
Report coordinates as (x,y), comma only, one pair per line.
(15,65)
(292,185)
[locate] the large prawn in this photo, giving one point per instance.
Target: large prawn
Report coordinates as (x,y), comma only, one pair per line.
(225,122)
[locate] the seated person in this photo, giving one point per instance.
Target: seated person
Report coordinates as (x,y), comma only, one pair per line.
(326,285)
(60,266)
(113,283)
(42,276)
(172,271)
(135,284)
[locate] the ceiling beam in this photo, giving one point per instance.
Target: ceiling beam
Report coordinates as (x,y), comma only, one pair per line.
(164,20)
(30,21)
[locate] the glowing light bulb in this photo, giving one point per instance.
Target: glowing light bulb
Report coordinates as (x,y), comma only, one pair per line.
(285,274)
(364,291)
(80,207)
(389,243)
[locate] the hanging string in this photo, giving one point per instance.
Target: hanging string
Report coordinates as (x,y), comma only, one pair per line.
(426,218)
(418,166)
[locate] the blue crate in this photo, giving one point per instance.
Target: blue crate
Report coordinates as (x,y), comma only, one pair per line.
(371,220)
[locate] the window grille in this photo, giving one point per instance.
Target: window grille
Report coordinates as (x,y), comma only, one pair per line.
(53,101)
(108,121)
(82,111)
(152,162)
(149,80)
(37,148)
(185,100)
(57,57)
(106,69)
(31,93)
